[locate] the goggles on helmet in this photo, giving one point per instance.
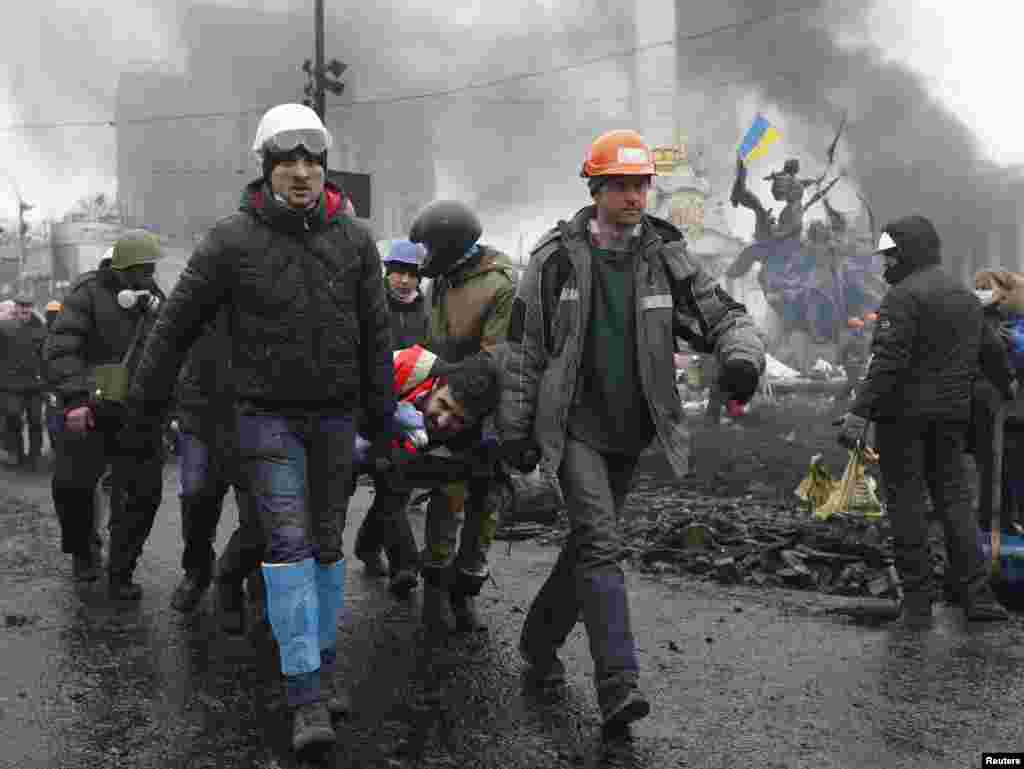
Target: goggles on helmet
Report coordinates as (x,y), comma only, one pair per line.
(313,141)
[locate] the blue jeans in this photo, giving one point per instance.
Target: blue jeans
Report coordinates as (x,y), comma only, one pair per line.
(298,468)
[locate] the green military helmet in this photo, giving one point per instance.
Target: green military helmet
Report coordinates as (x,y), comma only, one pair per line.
(136,248)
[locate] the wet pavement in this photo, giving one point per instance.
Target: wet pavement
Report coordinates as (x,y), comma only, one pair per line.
(738,676)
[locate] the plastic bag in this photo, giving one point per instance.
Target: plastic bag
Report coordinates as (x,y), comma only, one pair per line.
(855,492)
(818,485)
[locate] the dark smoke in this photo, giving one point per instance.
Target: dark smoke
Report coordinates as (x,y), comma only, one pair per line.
(907,153)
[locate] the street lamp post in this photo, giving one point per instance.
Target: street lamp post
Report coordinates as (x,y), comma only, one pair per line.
(318,82)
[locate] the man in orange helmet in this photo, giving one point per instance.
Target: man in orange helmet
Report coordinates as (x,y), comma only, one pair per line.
(588,383)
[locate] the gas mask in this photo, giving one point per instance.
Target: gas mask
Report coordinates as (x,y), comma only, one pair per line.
(145,299)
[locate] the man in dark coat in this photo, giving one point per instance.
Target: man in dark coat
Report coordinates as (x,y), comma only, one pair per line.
(408,329)
(21,384)
(101,329)
(303,287)
(925,357)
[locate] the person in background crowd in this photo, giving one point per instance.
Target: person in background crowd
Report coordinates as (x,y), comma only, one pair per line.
(106,317)
(408,328)
(588,383)
(51,414)
(470,303)
(925,355)
(208,465)
(304,290)
(21,382)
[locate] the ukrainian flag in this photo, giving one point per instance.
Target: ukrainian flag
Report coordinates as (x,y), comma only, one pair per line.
(760,136)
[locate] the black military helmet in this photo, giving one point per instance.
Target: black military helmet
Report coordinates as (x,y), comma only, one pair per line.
(448,229)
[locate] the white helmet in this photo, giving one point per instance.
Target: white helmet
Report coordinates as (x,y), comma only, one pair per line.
(287,126)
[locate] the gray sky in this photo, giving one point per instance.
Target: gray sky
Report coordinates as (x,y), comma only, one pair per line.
(63,59)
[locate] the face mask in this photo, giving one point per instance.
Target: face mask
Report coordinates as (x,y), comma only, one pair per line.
(128,299)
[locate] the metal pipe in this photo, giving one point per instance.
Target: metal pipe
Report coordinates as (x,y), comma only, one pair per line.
(318,64)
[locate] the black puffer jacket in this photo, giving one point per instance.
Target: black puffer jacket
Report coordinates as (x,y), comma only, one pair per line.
(308,316)
(408,322)
(927,345)
(91,329)
(204,395)
(21,355)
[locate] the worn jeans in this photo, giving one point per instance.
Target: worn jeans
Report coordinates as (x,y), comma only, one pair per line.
(587,575)
(298,468)
(207,467)
(136,492)
(920,458)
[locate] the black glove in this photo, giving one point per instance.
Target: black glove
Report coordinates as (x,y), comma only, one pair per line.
(142,432)
(109,415)
(522,454)
(851,431)
(739,379)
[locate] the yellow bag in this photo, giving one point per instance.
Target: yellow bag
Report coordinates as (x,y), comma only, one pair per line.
(818,485)
(855,493)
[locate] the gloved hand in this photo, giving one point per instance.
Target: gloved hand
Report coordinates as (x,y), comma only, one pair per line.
(79,420)
(851,431)
(739,379)
(522,454)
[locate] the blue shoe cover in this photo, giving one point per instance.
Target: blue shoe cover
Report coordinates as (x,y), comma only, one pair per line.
(330,586)
(294,614)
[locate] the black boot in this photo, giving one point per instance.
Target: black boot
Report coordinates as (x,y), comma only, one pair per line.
(121,588)
(981,604)
(916,609)
(464,590)
(311,728)
(368,548)
(190,590)
(84,568)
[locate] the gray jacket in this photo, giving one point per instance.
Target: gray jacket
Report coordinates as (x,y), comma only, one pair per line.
(675,298)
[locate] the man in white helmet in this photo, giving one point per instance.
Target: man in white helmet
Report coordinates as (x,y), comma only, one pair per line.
(302,284)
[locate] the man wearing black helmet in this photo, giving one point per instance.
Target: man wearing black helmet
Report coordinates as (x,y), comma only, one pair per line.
(470,305)
(925,355)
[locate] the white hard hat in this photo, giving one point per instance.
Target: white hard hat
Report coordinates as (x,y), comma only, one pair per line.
(287,126)
(108,254)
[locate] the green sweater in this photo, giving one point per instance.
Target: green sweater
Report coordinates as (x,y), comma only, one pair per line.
(610,412)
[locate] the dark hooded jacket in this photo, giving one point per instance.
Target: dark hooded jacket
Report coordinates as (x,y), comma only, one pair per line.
(408,322)
(21,360)
(92,329)
(307,311)
(930,342)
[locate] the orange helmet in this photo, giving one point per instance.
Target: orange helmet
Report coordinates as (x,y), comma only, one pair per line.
(618,153)
(871,317)
(854,323)
(54,306)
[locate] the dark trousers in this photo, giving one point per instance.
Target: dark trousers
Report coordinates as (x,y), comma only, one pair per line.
(207,467)
(20,408)
(386,525)
(588,576)
(920,458)
(298,469)
(136,492)
(986,402)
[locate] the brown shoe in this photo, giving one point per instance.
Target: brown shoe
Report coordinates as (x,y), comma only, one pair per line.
(83,568)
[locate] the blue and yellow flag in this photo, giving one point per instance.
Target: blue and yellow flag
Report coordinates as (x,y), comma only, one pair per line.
(759,137)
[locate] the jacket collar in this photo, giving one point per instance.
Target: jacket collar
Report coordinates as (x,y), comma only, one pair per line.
(258,200)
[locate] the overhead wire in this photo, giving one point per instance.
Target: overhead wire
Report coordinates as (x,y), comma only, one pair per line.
(441,93)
